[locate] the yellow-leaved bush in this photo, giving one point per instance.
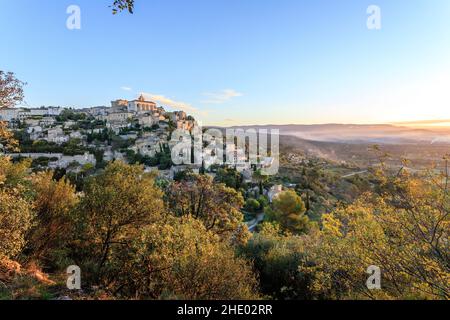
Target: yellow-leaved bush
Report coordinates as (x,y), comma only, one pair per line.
(403,229)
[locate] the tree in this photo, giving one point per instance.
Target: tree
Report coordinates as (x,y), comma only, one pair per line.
(69,114)
(15,210)
(53,204)
(252,205)
(15,221)
(11,90)
(216,205)
(230,177)
(403,229)
(276,258)
(263,202)
(11,93)
(7,141)
(117,204)
(260,178)
(13,176)
(289,211)
(121,5)
(183,175)
(180,259)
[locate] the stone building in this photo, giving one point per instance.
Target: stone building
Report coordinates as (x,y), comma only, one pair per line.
(141,105)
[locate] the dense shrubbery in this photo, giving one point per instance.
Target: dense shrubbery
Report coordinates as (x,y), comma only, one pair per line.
(181,259)
(276,259)
(53,205)
(70,115)
(162,158)
(403,228)
(15,221)
(230,177)
(117,205)
(71,148)
(216,205)
(121,233)
(16,213)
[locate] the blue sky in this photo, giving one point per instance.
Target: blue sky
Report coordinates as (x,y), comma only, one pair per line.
(238,61)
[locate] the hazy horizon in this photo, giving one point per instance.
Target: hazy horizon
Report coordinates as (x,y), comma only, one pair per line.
(435,124)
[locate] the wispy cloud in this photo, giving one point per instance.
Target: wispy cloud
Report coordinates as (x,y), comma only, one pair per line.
(221,96)
(126,88)
(423,122)
(168,102)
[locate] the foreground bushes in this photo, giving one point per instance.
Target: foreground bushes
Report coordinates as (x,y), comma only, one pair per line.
(181,259)
(402,227)
(134,241)
(116,206)
(16,215)
(15,221)
(120,232)
(404,231)
(53,203)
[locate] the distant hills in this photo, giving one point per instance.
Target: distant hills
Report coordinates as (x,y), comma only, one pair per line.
(372,134)
(353,143)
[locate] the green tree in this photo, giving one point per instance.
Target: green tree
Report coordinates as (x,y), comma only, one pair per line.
(183,175)
(14,175)
(180,259)
(263,202)
(53,204)
(288,210)
(121,5)
(252,205)
(403,229)
(260,178)
(230,177)
(216,205)
(276,258)
(15,221)
(117,204)
(15,209)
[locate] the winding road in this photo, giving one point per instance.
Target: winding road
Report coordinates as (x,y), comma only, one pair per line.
(354,174)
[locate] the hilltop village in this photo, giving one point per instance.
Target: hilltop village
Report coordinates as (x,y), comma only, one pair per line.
(73,139)
(82,141)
